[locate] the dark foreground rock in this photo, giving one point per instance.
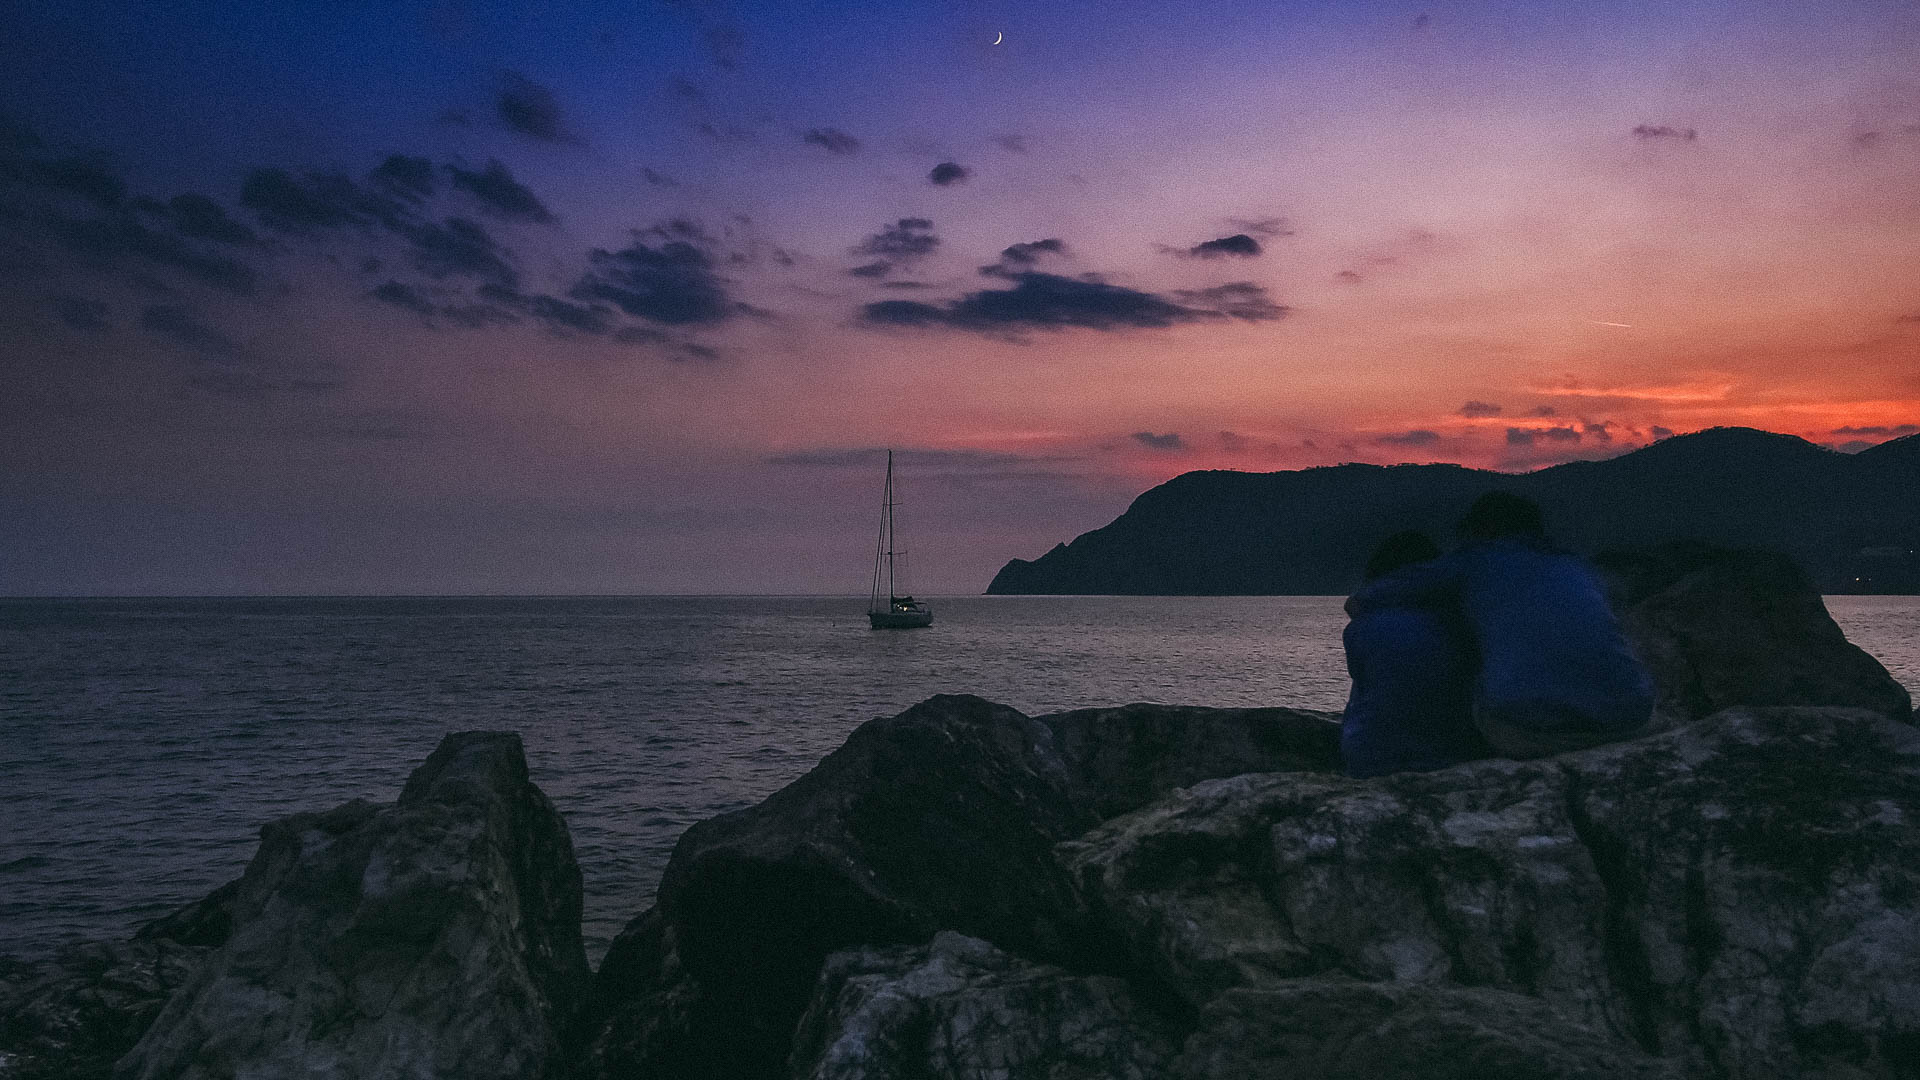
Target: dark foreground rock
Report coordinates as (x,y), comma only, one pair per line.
(941,818)
(71,1016)
(960,1007)
(1721,628)
(439,936)
(1739,897)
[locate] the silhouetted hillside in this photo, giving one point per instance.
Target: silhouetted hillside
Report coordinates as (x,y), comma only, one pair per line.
(1852,520)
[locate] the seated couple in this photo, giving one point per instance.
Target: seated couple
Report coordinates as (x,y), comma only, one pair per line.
(1504,647)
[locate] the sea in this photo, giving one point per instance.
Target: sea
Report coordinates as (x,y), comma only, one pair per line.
(143,742)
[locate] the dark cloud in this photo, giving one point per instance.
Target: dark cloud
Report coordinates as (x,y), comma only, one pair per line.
(948,173)
(529,108)
(1170,441)
(730,133)
(121,235)
(1239,244)
(1416,437)
(903,241)
(919,460)
(1601,432)
(1348,275)
(725,44)
(1529,436)
(1234,442)
(15,135)
(79,176)
(505,304)
(686,90)
(286,203)
(1029,253)
(1878,430)
(500,194)
(403,296)
(1480,408)
(198,216)
(1269,227)
(410,178)
(833,140)
(461,248)
(878,269)
(498,306)
(564,315)
(1237,299)
(1039,301)
(658,179)
(179,325)
(79,312)
(1661,433)
(668,347)
(1543,410)
(84,177)
(1662,131)
(1012,144)
(673,283)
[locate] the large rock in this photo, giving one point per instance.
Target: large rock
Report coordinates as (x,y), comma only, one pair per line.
(941,818)
(1340,1029)
(1721,628)
(70,1016)
(960,1007)
(1737,897)
(438,936)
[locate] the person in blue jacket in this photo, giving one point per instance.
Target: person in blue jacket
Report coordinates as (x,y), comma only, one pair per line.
(1555,670)
(1412,667)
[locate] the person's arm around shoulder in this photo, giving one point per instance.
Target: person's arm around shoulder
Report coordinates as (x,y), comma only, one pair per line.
(1415,585)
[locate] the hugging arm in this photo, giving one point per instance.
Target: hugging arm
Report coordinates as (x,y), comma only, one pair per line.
(1421,584)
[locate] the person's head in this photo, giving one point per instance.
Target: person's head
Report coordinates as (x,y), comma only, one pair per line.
(1502,513)
(1400,549)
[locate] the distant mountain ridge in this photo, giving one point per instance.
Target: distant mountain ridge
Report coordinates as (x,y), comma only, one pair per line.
(1851,520)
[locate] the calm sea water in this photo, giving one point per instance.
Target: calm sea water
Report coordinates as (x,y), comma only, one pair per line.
(143,742)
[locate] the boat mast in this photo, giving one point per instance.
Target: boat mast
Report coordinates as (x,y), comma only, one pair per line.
(883,549)
(891,590)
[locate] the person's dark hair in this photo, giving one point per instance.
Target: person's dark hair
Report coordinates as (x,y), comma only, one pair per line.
(1400,549)
(1502,513)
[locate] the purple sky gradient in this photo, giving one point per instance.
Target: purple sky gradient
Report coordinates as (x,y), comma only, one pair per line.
(472,297)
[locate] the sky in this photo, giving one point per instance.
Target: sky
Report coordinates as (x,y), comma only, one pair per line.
(486,297)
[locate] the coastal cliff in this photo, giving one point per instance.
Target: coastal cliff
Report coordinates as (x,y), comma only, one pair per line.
(1849,519)
(1150,891)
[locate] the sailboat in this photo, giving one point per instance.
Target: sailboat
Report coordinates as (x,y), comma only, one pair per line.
(886,608)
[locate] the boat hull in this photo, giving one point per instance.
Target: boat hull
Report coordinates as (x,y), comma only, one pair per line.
(899,620)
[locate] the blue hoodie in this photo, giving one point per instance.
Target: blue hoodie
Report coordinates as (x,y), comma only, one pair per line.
(1411,705)
(1551,652)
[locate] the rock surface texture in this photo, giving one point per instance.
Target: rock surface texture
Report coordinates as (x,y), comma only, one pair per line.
(1737,896)
(436,937)
(960,1007)
(941,818)
(72,1016)
(1720,628)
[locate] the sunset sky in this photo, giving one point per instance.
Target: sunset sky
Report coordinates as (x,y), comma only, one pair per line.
(478,297)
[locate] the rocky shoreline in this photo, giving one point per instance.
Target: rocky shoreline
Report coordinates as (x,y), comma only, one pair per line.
(966,891)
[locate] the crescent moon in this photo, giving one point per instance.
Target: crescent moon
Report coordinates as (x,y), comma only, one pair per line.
(997,38)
